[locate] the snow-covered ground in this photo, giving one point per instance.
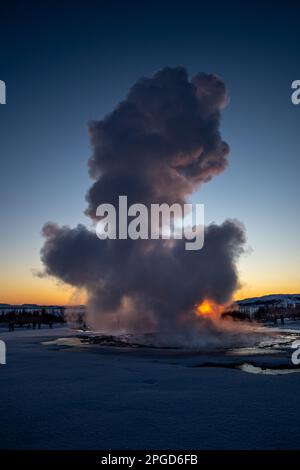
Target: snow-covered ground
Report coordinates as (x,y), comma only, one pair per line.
(59,396)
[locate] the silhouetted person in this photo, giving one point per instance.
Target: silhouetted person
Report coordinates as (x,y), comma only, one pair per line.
(282,319)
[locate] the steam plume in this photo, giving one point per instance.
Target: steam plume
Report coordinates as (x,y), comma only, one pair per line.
(157,146)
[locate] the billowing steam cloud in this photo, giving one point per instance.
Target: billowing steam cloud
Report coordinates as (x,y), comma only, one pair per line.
(161,142)
(157,146)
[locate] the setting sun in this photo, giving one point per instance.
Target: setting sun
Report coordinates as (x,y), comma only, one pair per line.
(209,307)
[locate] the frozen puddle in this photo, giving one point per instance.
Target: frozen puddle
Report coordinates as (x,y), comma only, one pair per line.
(63,342)
(251,369)
(283,369)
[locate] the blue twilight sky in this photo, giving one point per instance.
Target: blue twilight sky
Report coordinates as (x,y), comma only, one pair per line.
(65,63)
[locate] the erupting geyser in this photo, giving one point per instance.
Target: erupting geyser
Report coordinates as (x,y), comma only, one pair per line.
(157,146)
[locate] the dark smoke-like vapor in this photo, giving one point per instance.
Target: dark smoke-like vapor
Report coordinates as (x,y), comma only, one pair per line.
(157,146)
(161,142)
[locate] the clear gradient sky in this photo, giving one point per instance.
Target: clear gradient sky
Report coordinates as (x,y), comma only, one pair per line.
(66,63)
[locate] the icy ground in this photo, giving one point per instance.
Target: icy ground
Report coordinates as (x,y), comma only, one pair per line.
(65,395)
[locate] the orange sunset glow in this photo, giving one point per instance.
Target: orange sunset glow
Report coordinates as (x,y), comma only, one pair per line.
(209,307)
(23,287)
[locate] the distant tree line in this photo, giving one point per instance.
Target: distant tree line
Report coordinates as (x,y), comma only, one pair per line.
(33,320)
